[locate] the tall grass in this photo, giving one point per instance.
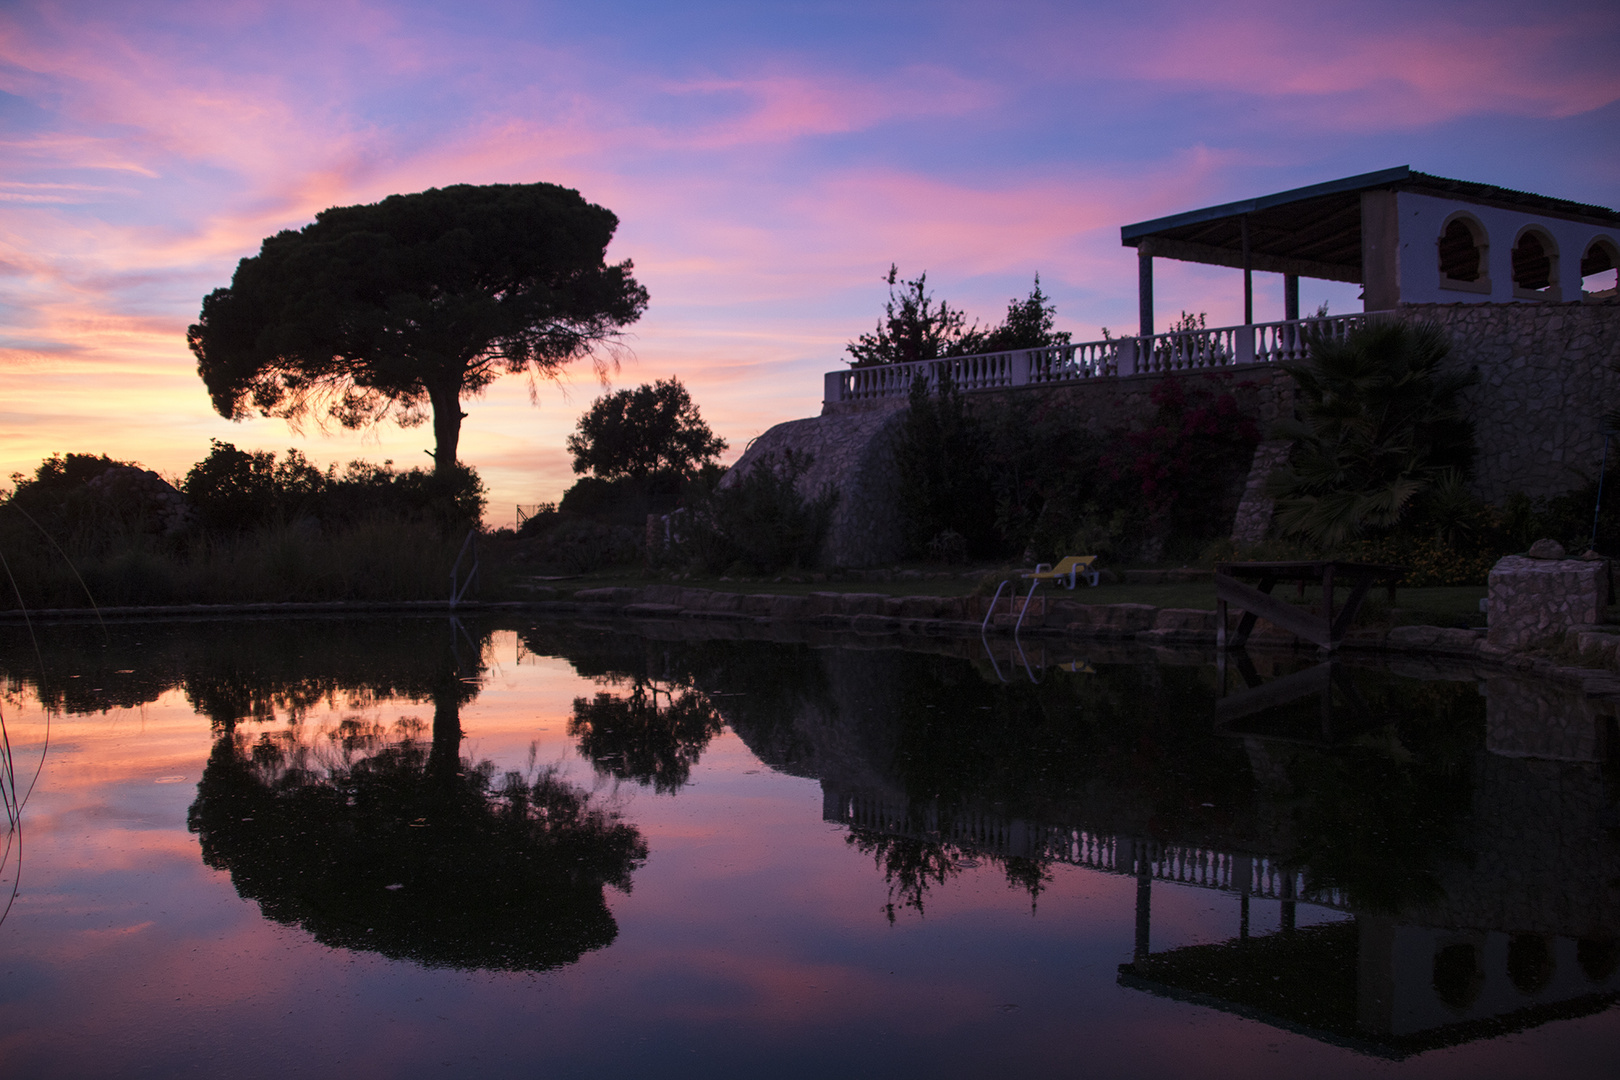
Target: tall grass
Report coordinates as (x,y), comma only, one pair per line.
(381,558)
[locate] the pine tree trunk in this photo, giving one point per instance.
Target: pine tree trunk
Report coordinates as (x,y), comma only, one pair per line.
(447,416)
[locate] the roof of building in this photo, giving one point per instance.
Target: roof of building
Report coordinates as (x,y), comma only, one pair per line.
(1316,231)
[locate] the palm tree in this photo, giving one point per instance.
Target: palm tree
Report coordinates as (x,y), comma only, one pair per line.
(1381,422)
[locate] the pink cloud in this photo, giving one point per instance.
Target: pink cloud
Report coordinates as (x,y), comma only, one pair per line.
(783,106)
(1373,74)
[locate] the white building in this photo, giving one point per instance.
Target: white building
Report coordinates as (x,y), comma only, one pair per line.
(1404,236)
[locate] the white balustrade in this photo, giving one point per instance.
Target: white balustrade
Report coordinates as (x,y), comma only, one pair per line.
(1184,864)
(1183,350)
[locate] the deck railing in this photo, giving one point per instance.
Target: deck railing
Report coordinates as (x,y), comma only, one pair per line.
(1187,350)
(986,833)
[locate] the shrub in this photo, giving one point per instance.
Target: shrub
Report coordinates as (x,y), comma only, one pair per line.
(1182,473)
(239,491)
(759,520)
(940,469)
(576,545)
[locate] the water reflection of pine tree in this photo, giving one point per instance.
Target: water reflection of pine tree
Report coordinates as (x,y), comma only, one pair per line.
(390,842)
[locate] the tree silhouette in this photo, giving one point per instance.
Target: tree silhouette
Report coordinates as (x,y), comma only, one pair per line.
(633,739)
(389,842)
(651,432)
(372,311)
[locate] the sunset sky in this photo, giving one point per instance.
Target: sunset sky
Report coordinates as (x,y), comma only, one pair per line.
(767,161)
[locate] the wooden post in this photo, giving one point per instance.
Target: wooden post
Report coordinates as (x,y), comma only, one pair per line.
(1248,275)
(1144,292)
(1144,899)
(1290,297)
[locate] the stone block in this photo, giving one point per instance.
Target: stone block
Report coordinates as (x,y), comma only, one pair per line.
(723,602)
(1110,620)
(789,607)
(1438,639)
(1195,620)
(863,603)
(652,611)
(664,594)
(1532,600)
(921,607)
(824,603)
(610,595)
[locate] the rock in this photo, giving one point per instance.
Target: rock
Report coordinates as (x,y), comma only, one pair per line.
(1546,549)
(1109,620)
(1532,600)
(1432,639)
(652,611)
(1195,620)
(863,603)
(609,595)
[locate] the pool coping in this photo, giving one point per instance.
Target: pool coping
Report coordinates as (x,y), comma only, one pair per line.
(878,614)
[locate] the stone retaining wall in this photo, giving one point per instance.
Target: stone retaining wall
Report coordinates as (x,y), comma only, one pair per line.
(852,454)
(1142,624)
(1547,376)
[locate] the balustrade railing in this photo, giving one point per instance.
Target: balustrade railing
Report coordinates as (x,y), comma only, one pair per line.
(1182,864)
(1184,350)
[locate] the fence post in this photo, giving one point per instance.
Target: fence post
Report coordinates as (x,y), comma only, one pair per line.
(832,388)
(1125,364)
(1245,344)
(1019,365)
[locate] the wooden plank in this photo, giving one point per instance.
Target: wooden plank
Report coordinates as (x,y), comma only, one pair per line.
(1279,613)
(1352,607)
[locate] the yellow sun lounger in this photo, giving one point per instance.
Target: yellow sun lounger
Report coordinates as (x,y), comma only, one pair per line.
(1068,572)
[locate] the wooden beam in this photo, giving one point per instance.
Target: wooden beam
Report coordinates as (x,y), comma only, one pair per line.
(1281,691)
(1144,291)
(1209,255)
(1279,613)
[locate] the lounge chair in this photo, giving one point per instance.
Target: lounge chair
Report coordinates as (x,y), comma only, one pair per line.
(1069,572)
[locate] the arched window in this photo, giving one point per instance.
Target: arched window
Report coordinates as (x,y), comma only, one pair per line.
(1535,266)
(1600,269)
(1457,975)
(1463,263)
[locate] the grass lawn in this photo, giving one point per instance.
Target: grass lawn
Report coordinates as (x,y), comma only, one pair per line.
(1442,606)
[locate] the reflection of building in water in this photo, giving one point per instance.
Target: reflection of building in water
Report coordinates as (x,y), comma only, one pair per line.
(1388,987)
(1523,930)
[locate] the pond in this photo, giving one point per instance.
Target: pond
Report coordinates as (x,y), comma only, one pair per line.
(420,847)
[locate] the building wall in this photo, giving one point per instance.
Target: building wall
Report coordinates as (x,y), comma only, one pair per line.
(1546,370)
(1423,218)
(1546,378)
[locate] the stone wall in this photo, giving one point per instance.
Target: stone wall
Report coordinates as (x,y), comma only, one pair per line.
(852,454)
(1547,377)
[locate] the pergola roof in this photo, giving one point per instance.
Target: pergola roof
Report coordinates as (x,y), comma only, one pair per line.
(1316,231)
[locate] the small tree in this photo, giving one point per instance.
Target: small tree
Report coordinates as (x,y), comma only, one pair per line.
(1028,325)
(652,432)
(913,327)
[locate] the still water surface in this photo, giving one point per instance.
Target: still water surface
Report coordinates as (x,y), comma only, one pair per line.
(401,848)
